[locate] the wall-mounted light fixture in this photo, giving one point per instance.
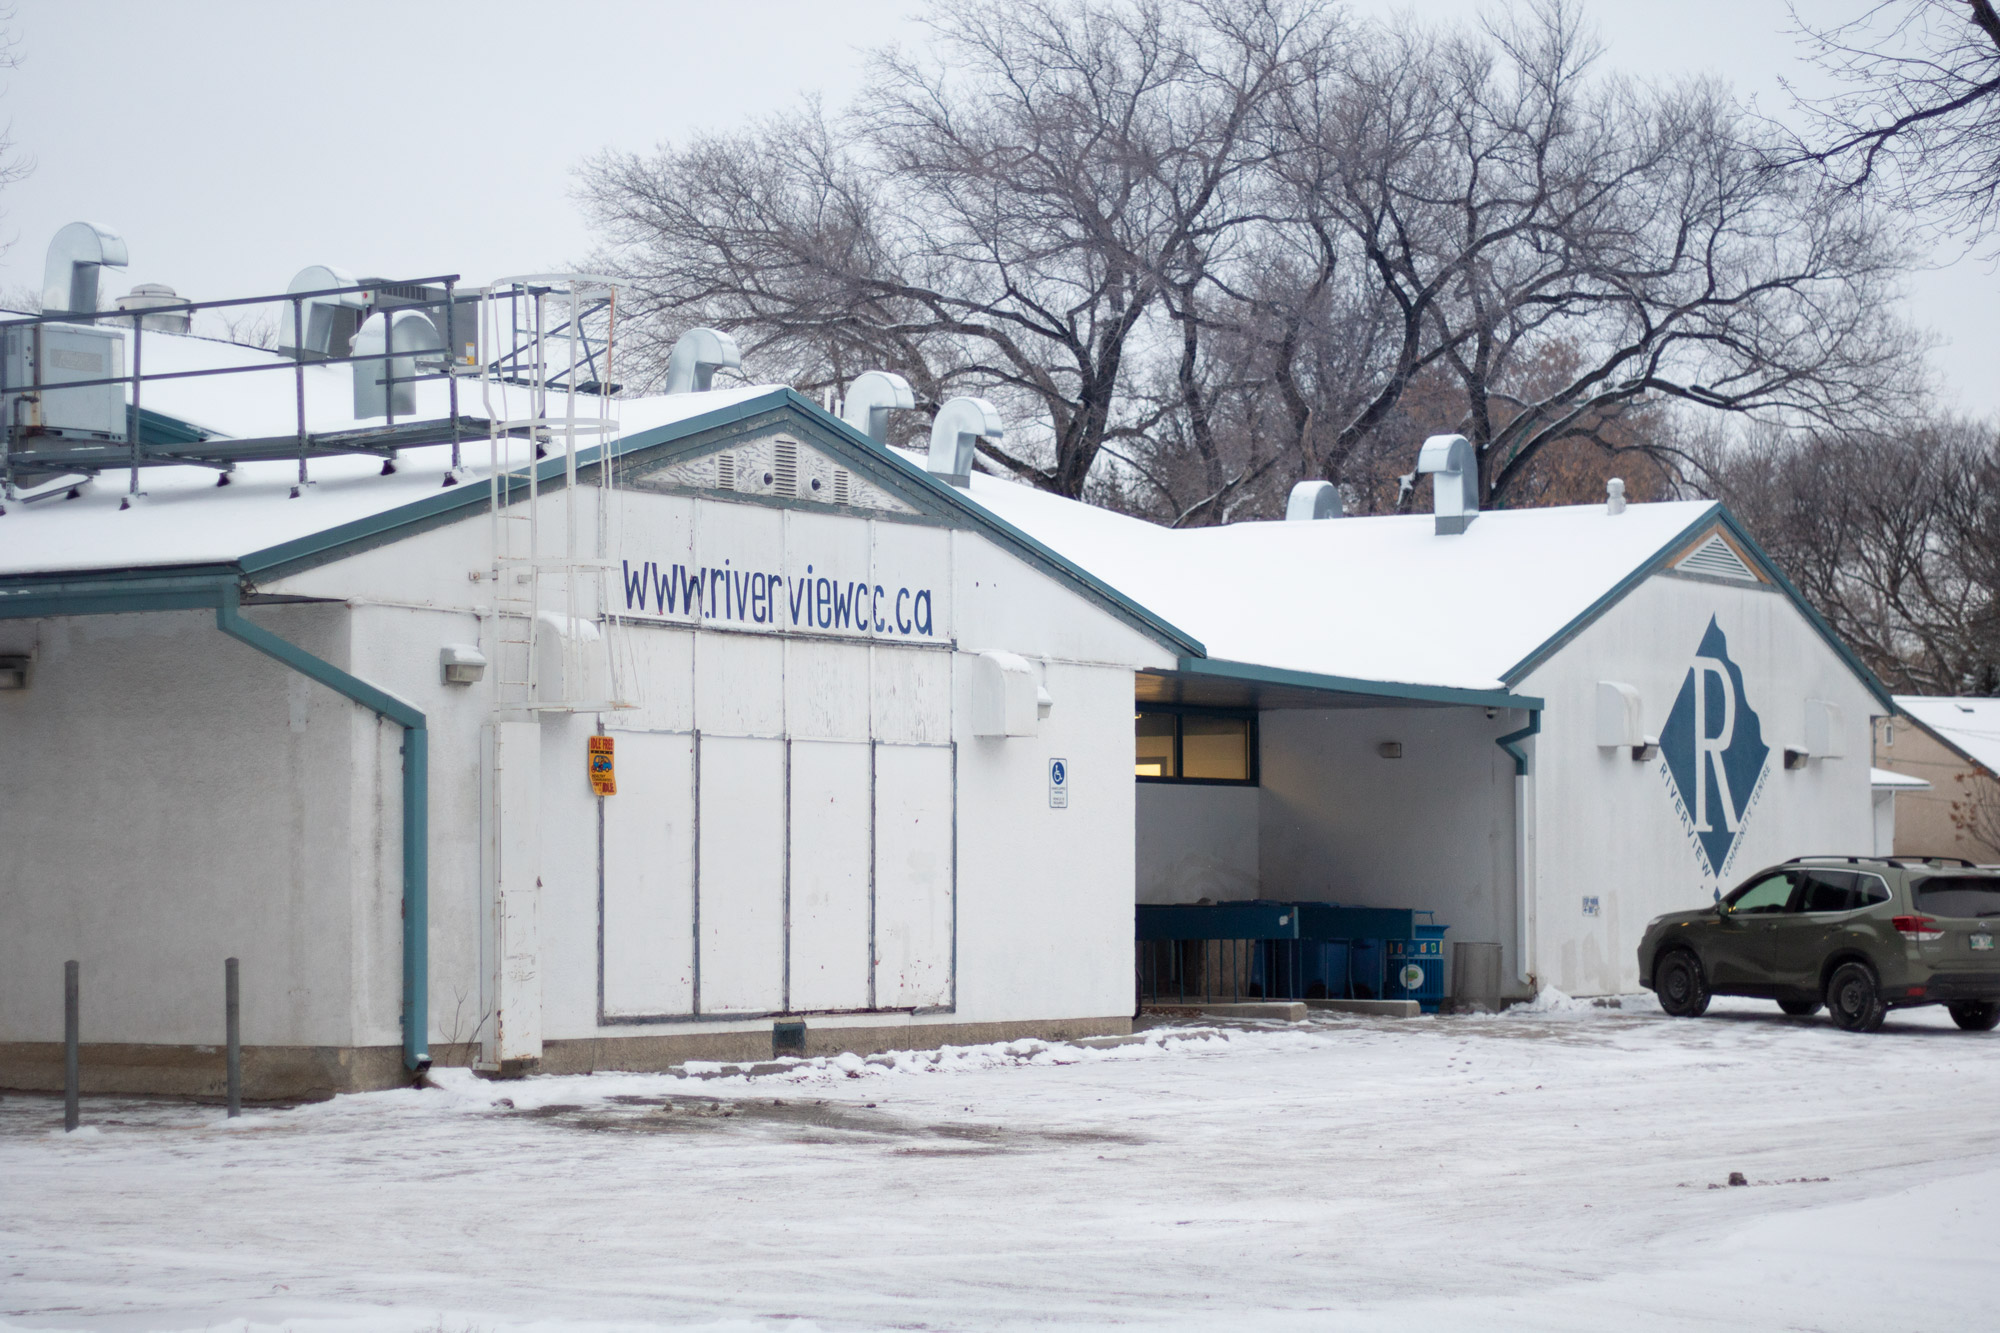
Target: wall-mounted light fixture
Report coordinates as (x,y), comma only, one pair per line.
(463,664)
(13,671)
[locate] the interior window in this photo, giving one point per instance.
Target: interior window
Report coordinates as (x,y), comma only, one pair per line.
(1156,746)
(1215,747)
(1773,893)
(1831,891)
(1959,895)
(1195,745)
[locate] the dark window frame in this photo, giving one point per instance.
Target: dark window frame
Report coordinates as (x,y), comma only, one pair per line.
(1179,711)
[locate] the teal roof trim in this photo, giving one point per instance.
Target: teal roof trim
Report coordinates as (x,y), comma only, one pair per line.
(935,496)
(179,589)
(1806,608)
(1252,673)
(1710,516)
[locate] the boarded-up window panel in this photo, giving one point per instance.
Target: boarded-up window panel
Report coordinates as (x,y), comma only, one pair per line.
(739,684)
(741,892)
(649,878)
(911,696)
(913,876)
(826,690)
(829,882)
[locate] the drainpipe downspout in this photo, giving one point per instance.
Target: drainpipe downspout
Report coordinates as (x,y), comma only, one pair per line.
(1524,861)
(416,810)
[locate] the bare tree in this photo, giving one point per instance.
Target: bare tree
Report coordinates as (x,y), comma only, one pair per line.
(1918,110)
(1646,231)
(1472,232)
(14,167)
(1893,537)
(999,214)
(1240,245)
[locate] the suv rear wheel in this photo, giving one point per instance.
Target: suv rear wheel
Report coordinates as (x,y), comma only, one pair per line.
(1975,1015)
(1799,1008)
(1678,981)
(1853,999)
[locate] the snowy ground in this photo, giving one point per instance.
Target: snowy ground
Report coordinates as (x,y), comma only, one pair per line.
(1532,1171)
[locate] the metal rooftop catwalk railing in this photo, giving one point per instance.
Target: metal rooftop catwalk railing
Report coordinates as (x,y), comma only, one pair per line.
(32,448)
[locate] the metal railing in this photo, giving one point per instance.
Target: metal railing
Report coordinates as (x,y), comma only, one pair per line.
(1196,972)
(60,454)
(153,440)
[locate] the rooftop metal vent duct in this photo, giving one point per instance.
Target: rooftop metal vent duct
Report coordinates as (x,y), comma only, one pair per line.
(151,295)
(956,432)
(69,283)
(870,400)
(1455,486)
(697,355)
(406,331)
(1311,500)
(330,321)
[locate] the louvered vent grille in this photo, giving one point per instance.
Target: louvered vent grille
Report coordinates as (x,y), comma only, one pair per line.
(725,471)
(1717,560)
(841,488)
(785,467)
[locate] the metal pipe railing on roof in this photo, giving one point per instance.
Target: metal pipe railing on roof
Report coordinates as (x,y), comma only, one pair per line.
(276,364)
(63,450)
(88,317)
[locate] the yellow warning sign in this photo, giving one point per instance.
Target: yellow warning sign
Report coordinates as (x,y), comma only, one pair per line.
(603,776)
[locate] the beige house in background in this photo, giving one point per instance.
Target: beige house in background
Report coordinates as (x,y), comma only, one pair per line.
(1954,745)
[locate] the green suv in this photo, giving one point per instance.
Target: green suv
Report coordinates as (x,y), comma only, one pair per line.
(1860,935)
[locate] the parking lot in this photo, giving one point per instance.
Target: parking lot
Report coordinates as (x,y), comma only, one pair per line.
(1564,1168)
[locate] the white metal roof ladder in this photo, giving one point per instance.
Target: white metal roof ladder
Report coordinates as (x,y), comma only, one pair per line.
(556,642)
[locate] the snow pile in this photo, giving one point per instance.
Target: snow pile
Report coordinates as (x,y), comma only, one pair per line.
(1550,1002)
(461,1090)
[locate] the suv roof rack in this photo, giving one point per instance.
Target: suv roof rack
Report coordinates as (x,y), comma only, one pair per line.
(1893,861)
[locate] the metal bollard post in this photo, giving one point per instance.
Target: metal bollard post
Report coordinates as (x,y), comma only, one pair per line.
(233,1013)
(71,1117)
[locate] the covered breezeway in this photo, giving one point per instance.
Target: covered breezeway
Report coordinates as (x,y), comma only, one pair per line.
(1258,785)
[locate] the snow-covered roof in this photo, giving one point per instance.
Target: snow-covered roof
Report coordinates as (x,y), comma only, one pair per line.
(1383,600)
(1970,725)
(1376,599)
(1882,779)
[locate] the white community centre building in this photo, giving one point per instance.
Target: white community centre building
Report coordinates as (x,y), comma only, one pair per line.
(489,715)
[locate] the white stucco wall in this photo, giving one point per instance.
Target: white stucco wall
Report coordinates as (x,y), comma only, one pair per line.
(1432,830)
(191,799)
(1437,828)
(1043,896)
(1195,841)
(171,798)
(1607,826)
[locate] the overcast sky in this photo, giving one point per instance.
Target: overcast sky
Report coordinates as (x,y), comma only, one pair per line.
(232,144)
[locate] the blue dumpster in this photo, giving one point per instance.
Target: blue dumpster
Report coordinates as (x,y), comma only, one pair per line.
(1288,950)
(1419,959)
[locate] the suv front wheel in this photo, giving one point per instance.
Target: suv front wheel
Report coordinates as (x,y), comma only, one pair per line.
(1853,999)
(1678,981)
(1975,1015)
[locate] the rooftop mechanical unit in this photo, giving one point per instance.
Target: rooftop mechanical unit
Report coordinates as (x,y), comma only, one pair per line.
(37,360)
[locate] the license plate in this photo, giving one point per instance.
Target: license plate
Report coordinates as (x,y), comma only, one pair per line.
(1982,941)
